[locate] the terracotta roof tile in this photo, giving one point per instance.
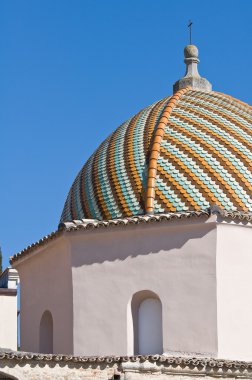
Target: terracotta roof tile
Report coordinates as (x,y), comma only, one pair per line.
(189,363)
(87,224)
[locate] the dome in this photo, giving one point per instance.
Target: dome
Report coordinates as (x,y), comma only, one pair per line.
(205,159)
(185,152)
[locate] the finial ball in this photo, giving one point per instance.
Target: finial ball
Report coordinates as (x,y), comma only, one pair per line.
(191,51)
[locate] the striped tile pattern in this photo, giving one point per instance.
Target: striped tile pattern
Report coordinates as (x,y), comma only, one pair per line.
(205,159)
(112,184)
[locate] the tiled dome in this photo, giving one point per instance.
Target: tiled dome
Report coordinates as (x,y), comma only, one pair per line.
(185,152)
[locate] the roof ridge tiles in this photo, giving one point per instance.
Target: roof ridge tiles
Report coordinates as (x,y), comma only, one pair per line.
(191,362)
(135,220)
(155,149)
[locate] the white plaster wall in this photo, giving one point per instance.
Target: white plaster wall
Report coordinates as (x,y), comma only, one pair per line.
(8,321)
(234,291)
(46,284)
(176,260)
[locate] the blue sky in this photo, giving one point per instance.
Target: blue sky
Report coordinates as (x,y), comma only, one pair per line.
(72,71)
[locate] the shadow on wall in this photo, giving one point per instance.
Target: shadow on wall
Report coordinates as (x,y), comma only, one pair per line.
(120,243)
(144,324)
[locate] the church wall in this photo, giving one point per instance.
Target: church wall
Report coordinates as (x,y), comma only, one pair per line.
(45,284)
(175,260)
(234,290)
(8,318)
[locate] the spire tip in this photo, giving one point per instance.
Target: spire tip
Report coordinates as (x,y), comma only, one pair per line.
(192,77)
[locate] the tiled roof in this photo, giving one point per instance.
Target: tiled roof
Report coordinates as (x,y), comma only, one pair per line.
(185,152)
(138,219)
(87,224)
(204,365)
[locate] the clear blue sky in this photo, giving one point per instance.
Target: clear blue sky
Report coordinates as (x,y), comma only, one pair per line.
(72,71)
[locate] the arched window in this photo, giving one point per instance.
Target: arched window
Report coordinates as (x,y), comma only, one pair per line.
(145,333)
(46,333)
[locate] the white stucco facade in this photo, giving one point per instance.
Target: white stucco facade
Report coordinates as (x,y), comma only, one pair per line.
(166,259)
(234,287)
(94,281)
(8,309)
(45,285)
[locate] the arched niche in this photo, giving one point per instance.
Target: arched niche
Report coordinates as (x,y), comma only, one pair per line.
(144,322)
(46,333)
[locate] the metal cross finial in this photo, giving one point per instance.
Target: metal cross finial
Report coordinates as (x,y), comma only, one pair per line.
(190,27)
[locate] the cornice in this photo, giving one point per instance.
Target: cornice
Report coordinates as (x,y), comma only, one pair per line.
(89,224)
